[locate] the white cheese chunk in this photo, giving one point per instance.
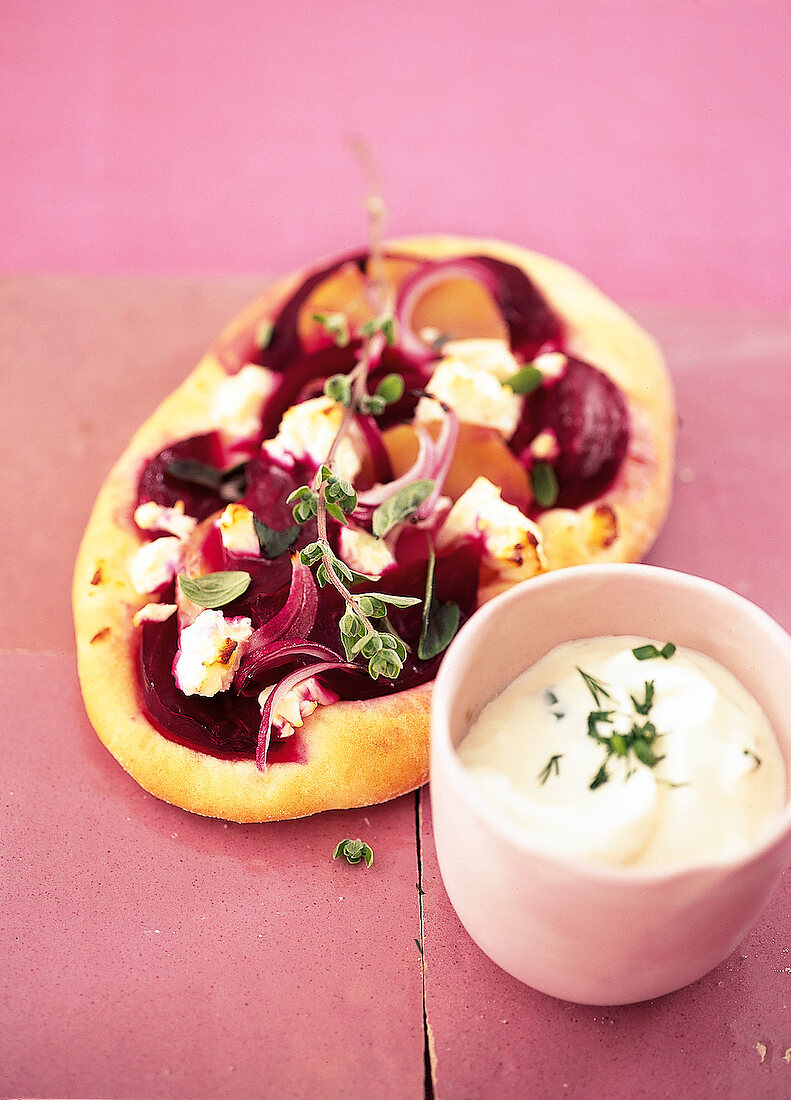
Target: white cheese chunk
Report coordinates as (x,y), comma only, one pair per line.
(364,552)
(551,363)
(475,395)
(155,517)
(545,447)
(511,541)
(297,704)
(489,355)
(153,613)
(156,563)
(307,431)
(210,651)
(237,404)
(237,531)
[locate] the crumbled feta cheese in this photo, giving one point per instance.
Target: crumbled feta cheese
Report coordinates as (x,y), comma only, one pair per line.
(237,404)
(476,396)
(544,447)
(156,563)
(364,552)
(237,531)
(153,613)
(155,517)
(210,651)
(512,542)
(297,704)
(307,431)
(550,363)
(492,356)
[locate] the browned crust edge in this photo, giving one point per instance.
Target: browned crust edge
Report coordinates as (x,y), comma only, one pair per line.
(359,753)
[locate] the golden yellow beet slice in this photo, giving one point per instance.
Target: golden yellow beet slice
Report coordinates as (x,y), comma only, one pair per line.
(480,452)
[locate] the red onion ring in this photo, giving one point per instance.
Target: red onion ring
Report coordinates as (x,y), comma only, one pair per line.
(282,688)
(279,653)
(418,284)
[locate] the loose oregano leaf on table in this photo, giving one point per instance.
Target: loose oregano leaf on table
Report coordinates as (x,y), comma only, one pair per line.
(215,589)
(400,506)
(440,620)
(354,851)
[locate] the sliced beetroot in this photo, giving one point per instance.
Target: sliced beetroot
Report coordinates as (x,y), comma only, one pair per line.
(158,484)
(309,371)
(532,325)
(590,420)
(227,725)
(284,348)
(268,487)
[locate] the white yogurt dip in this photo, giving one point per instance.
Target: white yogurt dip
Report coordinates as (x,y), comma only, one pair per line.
(661,762)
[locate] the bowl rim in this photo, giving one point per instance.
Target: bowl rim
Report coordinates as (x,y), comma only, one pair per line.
(443,749)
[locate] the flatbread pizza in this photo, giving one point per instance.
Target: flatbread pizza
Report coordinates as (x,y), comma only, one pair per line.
(380,443)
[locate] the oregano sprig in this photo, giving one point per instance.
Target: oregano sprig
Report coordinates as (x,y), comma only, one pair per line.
(354,851)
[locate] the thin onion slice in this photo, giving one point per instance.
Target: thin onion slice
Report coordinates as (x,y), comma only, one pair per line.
(444,450)
(279,653)
(433,462)
(418,284)
(295,619)
(420,468)
(280,690)
(531,323)
(380,460)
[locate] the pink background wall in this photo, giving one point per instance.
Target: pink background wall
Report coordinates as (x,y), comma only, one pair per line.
(644,141)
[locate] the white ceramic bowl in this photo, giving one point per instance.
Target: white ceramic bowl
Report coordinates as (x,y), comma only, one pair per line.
(582,932)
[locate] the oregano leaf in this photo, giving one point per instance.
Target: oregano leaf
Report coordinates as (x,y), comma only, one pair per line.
(391,388)
(215,589)
(544,483)
(525,381)
(273,543)
(400,506)
(199,473)
(440,620)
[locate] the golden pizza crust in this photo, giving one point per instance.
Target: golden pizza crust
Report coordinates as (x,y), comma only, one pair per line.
(358,753)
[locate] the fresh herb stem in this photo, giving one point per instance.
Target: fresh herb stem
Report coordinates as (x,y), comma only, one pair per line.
(594,686)
(328,495)
(553,764)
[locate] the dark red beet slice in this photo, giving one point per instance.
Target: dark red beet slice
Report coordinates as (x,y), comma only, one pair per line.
(157,484)
(305,378)
(532,326)
(227,725)
(224,726)
(589,417)
(284,348)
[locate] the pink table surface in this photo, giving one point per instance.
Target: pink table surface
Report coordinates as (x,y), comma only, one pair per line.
(645,143)
(151,953)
